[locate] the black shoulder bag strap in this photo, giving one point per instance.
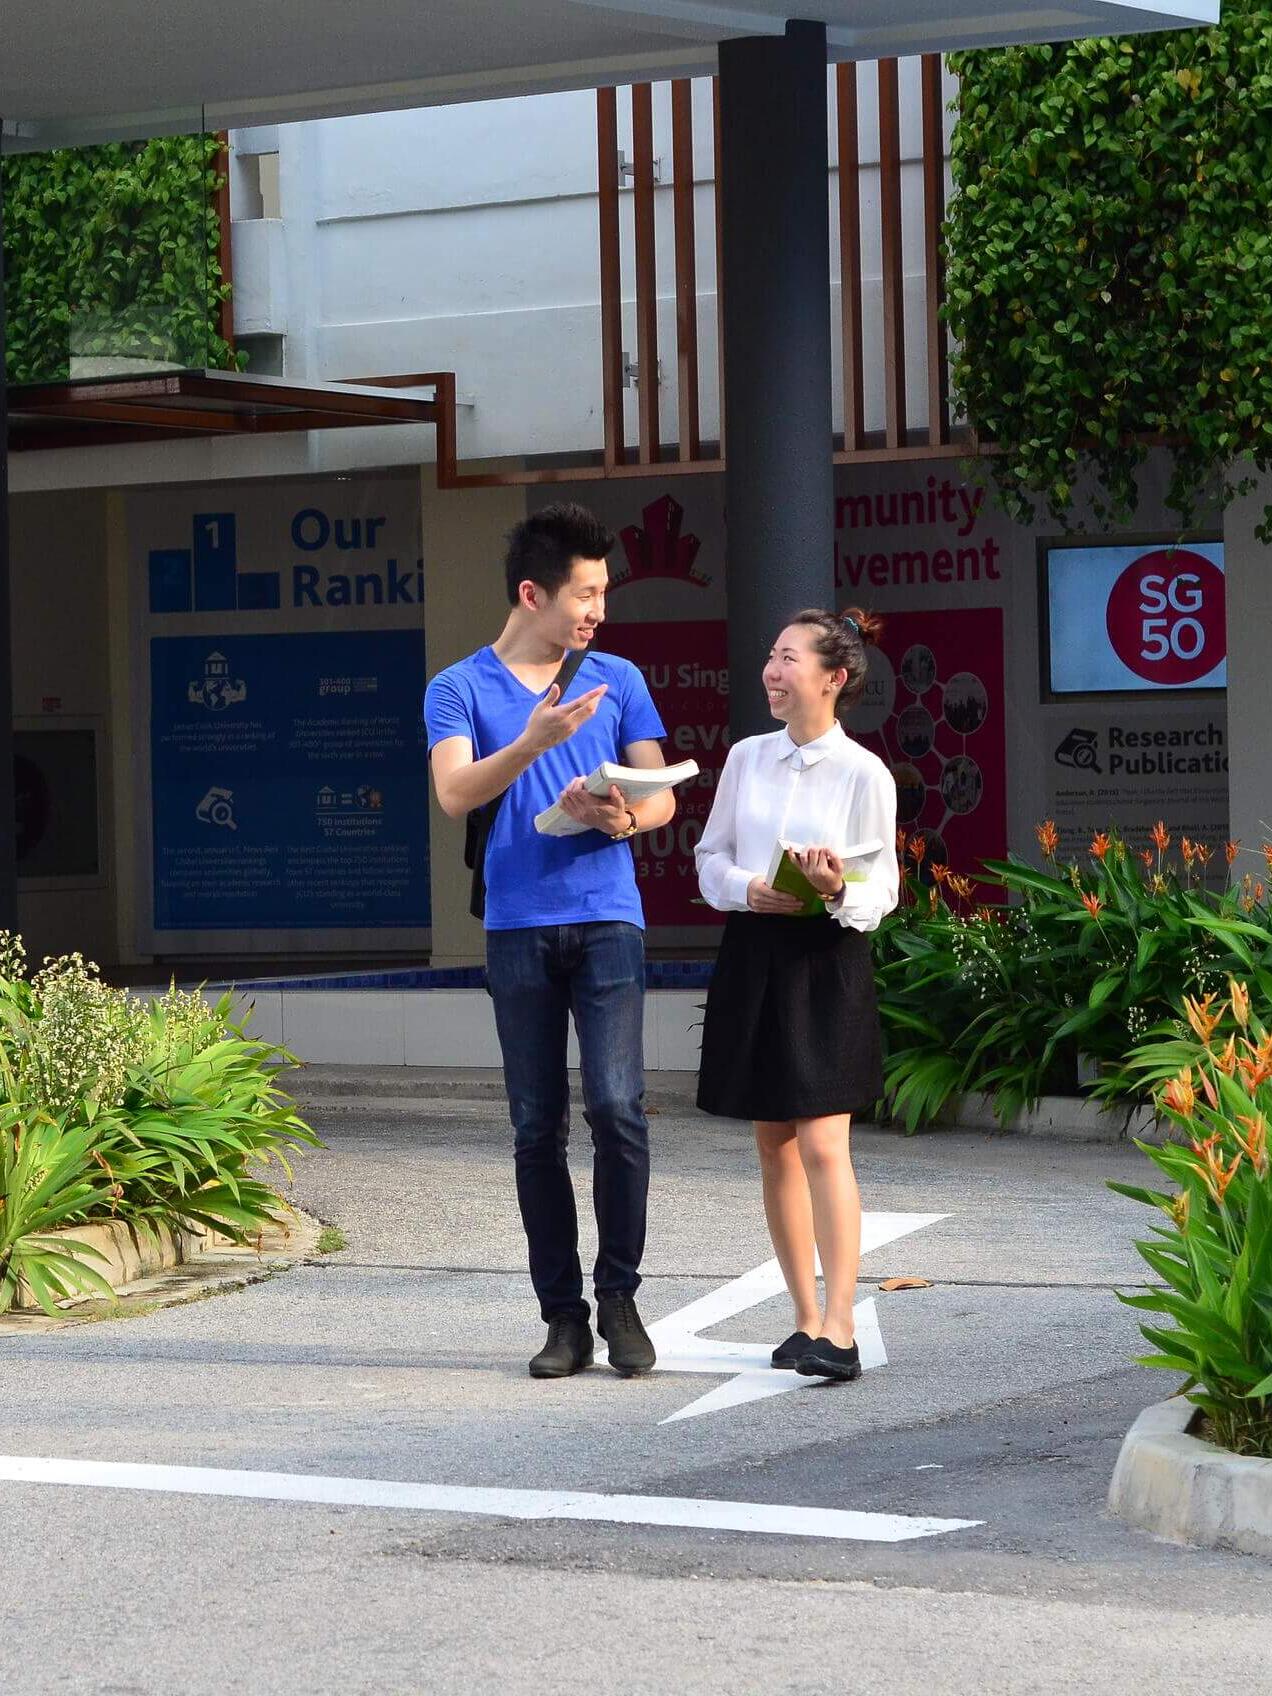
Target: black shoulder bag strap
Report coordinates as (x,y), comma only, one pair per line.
(480,820)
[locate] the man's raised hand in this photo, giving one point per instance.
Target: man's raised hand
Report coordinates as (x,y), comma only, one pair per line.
(550,724)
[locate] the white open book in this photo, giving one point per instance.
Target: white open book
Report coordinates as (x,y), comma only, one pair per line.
(637,783)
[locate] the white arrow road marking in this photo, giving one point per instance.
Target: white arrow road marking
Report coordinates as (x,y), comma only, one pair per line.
(748,1365)
(691,1512)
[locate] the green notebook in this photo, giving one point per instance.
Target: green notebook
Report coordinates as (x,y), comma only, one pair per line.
(785,876)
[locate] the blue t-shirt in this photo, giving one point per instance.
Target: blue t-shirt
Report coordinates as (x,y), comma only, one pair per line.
(547,880)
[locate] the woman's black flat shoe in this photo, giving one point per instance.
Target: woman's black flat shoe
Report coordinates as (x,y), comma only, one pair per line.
(823,1359)
(787,1354)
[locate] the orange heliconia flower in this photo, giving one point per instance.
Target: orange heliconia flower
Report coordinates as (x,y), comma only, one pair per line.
(1203,853)
(1146,854)
(1180,1096)
(961,885)
(1258,894)
(940,871)
(1100,844)
(1256,1066)
(1093,905)
(985,913)
(901,841)
(1202,1020)
(1227,1059)
(1254,1143)
(1161,836)
(1187,850)
(1267,854)
(918,848)
(1239,998)
(1218,1177)
(1048,837)
(1230,851)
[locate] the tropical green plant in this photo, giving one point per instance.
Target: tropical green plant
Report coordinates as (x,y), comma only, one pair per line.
(113,250)
(1017,1001)
(1109,263)
(1214,1256)
(954,980)
(160,1114)
(47,1179)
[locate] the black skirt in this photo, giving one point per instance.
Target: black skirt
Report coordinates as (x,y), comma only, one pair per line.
(792,1027)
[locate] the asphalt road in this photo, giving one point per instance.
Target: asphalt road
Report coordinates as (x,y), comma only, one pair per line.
(1005,1396)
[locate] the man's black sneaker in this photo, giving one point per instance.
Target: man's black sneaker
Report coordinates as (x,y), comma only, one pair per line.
(567,1350)
(824,1359)
(631,1353)
(787,1354)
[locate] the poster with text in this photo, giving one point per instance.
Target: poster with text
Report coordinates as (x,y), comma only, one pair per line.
(279,651)
(686,667)
(286,781)
(1112,769)
(933,708)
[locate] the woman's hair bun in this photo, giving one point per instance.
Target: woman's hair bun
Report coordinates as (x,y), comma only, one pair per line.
(867,625)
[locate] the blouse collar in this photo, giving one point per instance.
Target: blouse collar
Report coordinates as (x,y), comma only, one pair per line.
(810,752)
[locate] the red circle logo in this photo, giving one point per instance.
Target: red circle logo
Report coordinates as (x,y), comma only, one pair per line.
(1165,616)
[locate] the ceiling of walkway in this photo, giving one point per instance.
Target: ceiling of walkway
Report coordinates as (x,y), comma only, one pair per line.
(81,70)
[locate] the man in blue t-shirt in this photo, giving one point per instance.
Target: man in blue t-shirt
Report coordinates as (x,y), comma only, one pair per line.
(563,917)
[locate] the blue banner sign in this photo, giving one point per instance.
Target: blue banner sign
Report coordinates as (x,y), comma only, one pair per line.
(289,777)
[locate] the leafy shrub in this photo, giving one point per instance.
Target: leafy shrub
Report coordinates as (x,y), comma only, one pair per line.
(159,1114)
(1014,1001)
(114,249)
(1214,1257)
(1109,262)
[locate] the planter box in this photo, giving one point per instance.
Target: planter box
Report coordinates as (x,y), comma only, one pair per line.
(130,1254)
(1174,1484)
(1071,1118)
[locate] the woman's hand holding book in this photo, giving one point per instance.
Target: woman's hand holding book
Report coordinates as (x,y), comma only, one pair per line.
(761,897)
(823,869)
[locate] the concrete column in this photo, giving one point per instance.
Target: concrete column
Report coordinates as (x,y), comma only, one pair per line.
(8,847)
(1248,564)
(465,605)
(775,238)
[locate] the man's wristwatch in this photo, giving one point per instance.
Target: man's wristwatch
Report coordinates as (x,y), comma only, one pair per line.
(631,830)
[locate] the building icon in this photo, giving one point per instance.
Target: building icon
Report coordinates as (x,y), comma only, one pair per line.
(216,689)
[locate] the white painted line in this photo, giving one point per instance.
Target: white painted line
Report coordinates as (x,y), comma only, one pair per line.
(690,1512)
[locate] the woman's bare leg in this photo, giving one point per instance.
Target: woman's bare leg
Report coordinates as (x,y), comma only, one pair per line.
(836,1208)
(789,1211)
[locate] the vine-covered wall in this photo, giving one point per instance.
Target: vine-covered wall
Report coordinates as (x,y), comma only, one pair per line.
(1110,258)
(112,250)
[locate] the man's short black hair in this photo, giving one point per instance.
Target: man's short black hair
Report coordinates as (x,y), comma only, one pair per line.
(543,548)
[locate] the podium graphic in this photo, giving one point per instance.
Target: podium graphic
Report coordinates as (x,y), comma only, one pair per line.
(205,576)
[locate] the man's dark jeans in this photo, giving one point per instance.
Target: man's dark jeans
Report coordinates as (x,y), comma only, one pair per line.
(538,977)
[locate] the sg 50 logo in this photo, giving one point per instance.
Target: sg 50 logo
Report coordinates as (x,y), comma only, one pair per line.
(1165,616)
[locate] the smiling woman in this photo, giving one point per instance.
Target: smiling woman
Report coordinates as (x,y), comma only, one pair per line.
(791,1036)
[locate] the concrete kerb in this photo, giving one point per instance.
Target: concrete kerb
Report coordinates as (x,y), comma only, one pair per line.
(1180,1487)
(164,1266)
(411,1090)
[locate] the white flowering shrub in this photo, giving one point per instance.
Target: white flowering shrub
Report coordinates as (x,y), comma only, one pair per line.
(157,1112)
(87,1037)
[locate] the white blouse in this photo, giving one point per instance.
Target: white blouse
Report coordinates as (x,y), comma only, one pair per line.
(829,793)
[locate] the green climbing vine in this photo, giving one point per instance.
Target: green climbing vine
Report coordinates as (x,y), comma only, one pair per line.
(1110,260)
(113,250)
